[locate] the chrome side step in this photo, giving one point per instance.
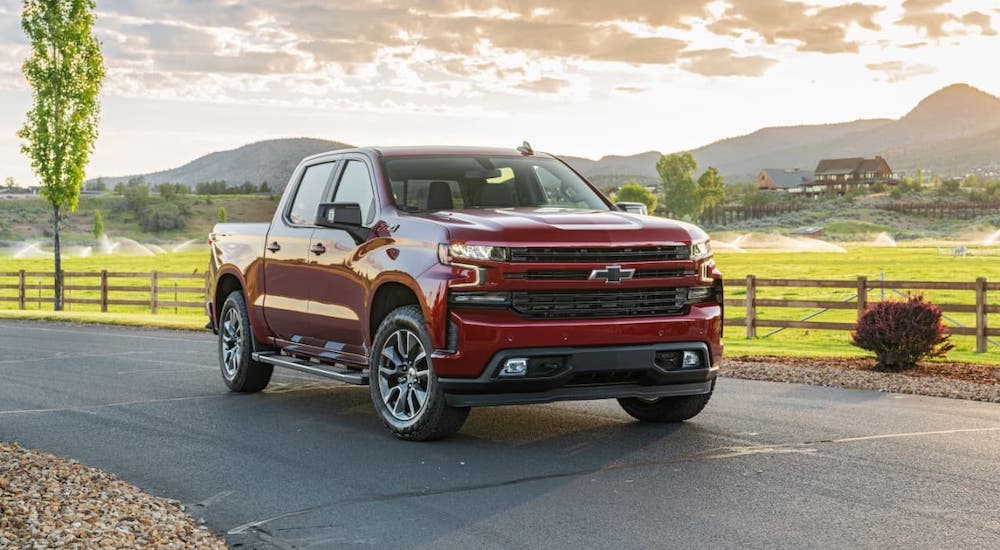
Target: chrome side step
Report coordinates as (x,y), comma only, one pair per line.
(328,371)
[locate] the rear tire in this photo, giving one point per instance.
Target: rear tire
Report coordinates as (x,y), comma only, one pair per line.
(404,389)
(239,371)
(665,409)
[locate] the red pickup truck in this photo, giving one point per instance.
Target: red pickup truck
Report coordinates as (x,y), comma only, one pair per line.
(448,278)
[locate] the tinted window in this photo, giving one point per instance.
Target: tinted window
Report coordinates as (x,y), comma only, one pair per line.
(427,195)
(428,184)
(309,192)
(356,187)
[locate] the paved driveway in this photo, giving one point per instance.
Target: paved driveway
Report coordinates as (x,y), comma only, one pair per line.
(307,464)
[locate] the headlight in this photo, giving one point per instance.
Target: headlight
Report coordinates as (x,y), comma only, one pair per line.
(477,252)
(700,251)
(700,294)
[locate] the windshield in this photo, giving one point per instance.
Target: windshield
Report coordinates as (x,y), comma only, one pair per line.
(430,184)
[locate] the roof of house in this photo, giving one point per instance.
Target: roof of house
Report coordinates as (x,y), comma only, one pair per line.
(785,178)
(869,165)
(839,166)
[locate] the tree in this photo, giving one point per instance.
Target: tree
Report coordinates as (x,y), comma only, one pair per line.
(711,188)
(680,192)
(65,70)
(98,224)
(9,183)
(264,187)
(631,191)
(222,214)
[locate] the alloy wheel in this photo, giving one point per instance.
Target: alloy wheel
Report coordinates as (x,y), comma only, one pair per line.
(403,375)
(232,339)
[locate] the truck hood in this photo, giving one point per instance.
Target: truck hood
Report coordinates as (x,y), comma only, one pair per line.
(560,227)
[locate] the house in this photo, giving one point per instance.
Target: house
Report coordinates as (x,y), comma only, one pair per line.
(792,180)
(840,175)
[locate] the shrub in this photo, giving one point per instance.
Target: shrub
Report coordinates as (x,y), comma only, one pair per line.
(900,333)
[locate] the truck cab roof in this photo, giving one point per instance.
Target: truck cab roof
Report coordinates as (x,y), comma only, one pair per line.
(434,150)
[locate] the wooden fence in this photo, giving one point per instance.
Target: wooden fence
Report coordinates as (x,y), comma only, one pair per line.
(722,215)
(105,288)
(859,301)
(944,209)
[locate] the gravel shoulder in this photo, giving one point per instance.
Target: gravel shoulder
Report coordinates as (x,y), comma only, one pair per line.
(976,382)
(48,501)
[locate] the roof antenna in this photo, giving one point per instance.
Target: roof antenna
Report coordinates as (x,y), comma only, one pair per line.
(526,149)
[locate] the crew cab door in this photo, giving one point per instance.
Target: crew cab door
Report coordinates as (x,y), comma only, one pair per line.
(287,279)
(338,302)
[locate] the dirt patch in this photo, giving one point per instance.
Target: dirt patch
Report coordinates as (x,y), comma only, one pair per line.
(955,380)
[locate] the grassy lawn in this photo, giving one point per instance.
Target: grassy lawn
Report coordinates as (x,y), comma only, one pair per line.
(901,264)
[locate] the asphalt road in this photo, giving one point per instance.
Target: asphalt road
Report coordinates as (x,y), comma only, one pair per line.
(306,463)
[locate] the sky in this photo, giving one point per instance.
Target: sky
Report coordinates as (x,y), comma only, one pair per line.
(576,77)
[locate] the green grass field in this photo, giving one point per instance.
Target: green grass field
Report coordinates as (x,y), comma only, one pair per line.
(901,264)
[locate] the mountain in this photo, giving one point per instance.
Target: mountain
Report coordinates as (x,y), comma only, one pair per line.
(272,161)
(952,131)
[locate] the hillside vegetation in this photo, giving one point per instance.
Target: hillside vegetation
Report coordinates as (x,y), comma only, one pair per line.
(26,219)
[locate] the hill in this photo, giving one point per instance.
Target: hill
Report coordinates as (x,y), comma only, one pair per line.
(952,131)
(272,161)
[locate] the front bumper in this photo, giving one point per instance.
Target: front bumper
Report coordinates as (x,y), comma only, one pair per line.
(479,335)
(600,372)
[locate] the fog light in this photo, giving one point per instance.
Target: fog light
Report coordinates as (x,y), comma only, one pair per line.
(692,359)
(517,366)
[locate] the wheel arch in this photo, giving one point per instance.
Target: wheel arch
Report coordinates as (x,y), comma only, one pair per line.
(389,295)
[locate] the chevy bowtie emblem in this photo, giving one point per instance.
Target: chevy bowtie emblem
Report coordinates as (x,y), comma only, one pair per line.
(612,274)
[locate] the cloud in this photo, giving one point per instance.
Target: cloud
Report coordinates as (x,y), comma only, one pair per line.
(898,71)
(174,38)
(340,51)
(815,29)
(243,62)
(929,17)
(981,20)
(725,62)
(544,85)
(629,89)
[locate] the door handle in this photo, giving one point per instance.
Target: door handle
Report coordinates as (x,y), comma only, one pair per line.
(317,249)
(274,247)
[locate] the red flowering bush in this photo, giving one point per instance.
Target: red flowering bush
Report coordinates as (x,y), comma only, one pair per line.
(900,333)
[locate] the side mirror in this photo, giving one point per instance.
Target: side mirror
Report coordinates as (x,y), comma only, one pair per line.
(338,215)
(633,207)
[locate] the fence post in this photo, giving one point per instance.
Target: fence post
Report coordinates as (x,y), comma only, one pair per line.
(104,290)
(862,295)
(751,307)
(68,300)
(20,289)
(153,292)
(981,341)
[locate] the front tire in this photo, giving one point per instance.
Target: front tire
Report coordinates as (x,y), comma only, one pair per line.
(404,389)
(239,371)
(665,409)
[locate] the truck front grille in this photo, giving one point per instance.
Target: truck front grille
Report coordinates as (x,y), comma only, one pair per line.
(600,255)
(584,274)
(577,304)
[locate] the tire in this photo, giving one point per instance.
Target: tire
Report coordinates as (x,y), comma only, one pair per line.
(665,409)
(239,371)
(401,374)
